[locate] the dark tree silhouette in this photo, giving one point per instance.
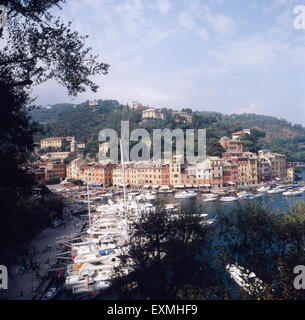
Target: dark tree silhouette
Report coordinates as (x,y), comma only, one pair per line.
(169,256)
(39,46)
(35,47)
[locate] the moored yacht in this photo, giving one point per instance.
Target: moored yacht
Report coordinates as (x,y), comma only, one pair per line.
(209,197)
(185,195)
(293,193)
(263,189)
(276,191)
(228,199)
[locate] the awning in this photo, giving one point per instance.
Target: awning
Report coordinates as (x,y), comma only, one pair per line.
(155,186)
(189,186)
(164,188)
(147,186)
(205,185)
(231,183)
(179,186)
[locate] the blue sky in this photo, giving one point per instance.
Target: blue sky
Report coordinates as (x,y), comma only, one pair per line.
(231,56)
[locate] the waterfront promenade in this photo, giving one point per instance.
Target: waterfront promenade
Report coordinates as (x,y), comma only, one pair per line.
(26,276)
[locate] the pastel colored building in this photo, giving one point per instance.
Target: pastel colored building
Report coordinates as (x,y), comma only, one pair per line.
(231,145)
(152,113)
(54,142)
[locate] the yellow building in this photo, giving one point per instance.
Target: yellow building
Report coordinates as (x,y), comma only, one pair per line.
(130,175)
(117,178)
(55,142)
(176,170)
(252,168)
(290,173)
(152,113)
(243,170)
(156,174)
(142,173)
(277,163)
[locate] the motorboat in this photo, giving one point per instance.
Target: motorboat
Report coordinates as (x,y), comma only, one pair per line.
(243,195)
(228,199)
(246,196)
(263,189)
(292,193)
(209,197)
(245,279)
(276,191)
(185,195)
(150,197)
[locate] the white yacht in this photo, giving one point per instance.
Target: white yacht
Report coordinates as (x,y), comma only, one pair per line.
(246,196)
(276,191)
(228,199)
(150,197)
(245,279)
(263,189)
(185,195)
(293,193)
(209,197)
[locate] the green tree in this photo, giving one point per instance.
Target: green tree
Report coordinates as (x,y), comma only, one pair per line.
(214,148)
(36,47)
(168,257)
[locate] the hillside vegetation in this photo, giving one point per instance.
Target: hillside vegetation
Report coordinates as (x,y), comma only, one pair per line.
(43,114)
(85,122)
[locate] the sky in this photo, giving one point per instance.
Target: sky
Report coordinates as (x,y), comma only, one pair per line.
(229,56)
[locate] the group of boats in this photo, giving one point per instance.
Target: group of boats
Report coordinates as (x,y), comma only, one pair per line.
(288,191)
(95,254)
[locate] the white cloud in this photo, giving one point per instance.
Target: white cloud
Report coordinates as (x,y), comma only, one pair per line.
(258,107)
(156,36)
(205,69)
(223,25)
(130,14)
(164,6)
(185,20)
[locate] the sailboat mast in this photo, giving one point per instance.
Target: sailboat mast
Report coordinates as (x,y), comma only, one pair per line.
(123,171)
(124,184)
(89,208)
